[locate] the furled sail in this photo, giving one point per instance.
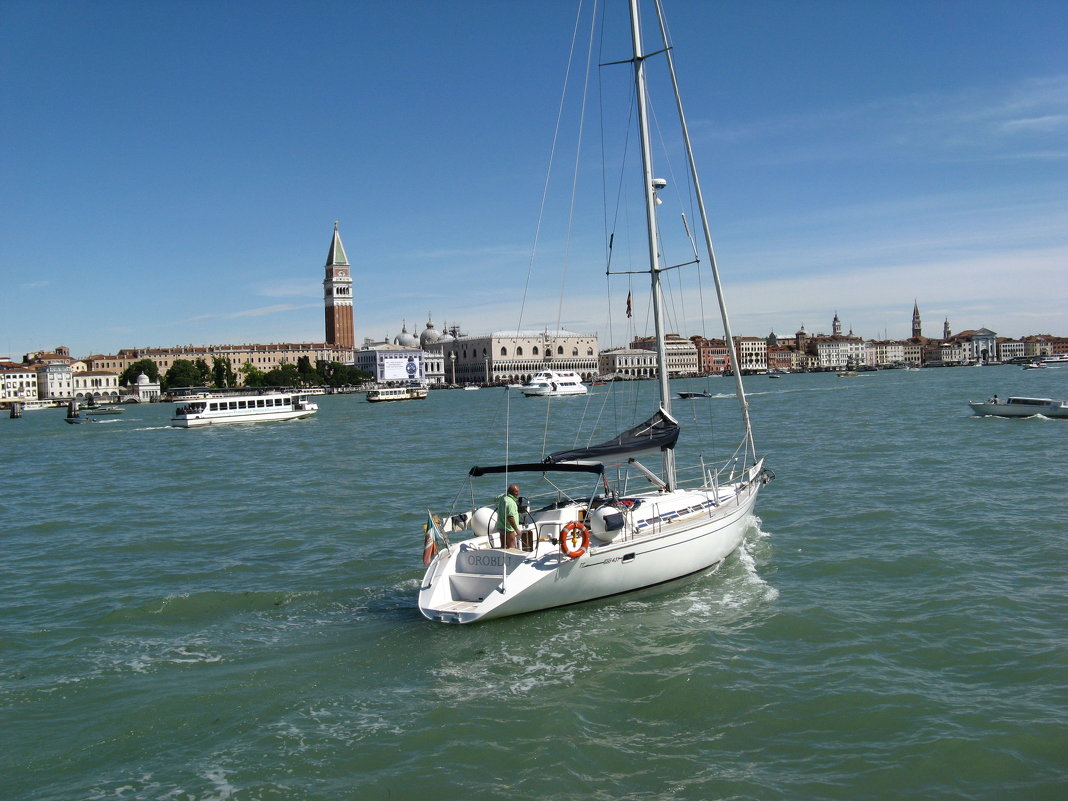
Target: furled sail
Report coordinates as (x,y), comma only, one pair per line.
(658,432)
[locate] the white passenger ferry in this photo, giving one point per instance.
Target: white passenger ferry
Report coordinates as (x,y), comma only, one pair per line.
(379,394)
(550,383)
(247,408)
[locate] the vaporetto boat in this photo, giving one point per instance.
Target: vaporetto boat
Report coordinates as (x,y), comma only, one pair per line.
(549,383)
(244,408)
(380,394)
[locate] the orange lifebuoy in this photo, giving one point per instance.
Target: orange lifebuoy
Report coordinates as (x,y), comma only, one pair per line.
(575,539)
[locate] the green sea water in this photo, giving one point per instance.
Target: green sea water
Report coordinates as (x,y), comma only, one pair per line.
(229,613)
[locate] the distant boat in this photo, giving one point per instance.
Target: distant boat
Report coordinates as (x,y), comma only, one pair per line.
(549,383)
(689,395)
(107,409)
(33,405)
(74,416)
(1021,407)
(380,394)
(247,408)
(847,374)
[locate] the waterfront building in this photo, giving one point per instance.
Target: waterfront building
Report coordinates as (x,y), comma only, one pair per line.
(54,381)
(975,346)
(681,353)
(95,386)
(1039,345)
(752,354)
(391,362)
(337,297)
(840,352)
(713,355)
(512,357)
(886,353)
(143,390)
(782,358)
(629,363)
(18,382)
(1009,349)
(262,357)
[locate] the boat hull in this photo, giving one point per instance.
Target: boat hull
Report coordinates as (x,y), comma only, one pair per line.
(1018,410)
(471,581)
(193,421)
(545,392)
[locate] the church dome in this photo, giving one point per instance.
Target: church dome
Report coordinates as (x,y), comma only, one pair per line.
(143,379)
(430,335)
(406,340)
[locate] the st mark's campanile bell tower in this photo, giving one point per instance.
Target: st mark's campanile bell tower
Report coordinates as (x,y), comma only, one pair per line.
(337,296)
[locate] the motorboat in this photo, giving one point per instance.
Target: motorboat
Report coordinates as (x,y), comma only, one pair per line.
(691,395)
(104,409)
(1021,407)
(244,408)
(551,383)
(596,521)
(74,415)
(380,394)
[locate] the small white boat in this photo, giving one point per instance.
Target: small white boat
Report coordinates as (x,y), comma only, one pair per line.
(381,394)
(549,383)
(245,408)
(1021,407)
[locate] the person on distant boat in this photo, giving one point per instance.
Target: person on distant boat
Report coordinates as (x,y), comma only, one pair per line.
(508,516)
(995,399)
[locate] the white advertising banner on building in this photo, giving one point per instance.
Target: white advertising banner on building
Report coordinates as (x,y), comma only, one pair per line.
(401,368)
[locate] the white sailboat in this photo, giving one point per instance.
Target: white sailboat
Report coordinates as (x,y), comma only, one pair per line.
(601,538)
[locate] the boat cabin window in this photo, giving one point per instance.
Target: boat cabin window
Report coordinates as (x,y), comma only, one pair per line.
(233,404)
(215,407)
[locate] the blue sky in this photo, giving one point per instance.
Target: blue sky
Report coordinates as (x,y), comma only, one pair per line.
(171,171)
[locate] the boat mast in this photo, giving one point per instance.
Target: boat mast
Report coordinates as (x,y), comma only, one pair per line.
(650,219)
(731,345)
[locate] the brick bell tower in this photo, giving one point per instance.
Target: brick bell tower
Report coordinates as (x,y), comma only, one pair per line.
(337,296)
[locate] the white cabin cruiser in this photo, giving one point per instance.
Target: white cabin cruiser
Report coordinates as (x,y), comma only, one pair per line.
(1021,407)
(549,383)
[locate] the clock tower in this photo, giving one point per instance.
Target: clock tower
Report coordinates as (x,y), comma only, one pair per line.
(337,296)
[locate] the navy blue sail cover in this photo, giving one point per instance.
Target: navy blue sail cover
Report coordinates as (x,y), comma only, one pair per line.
(658,432)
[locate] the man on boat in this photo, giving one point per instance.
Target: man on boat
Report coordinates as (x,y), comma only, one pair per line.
(508,516)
